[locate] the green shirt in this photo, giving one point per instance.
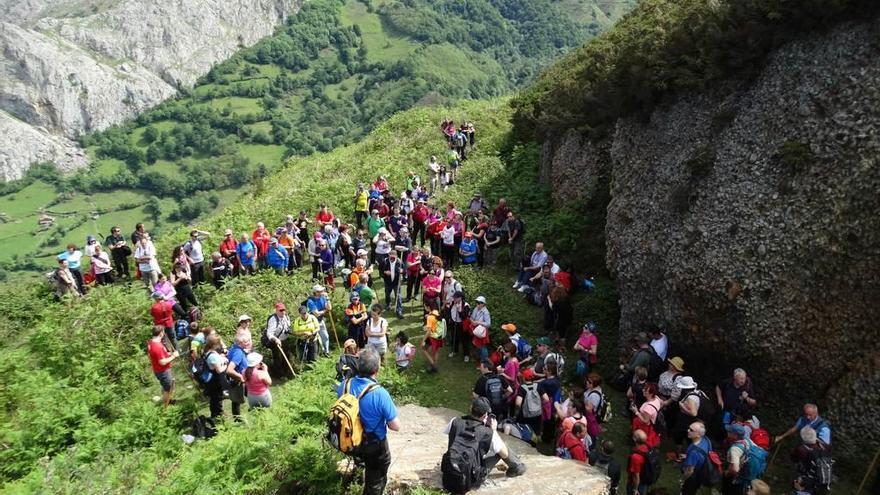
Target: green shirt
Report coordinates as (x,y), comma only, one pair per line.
(373,225)
(368,295)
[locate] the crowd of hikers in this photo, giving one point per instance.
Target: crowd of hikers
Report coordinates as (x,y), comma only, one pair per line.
(523,389)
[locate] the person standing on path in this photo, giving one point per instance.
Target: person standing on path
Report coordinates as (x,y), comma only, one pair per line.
(319,306)
(119,250)
(697,454)
(378,414)
(194,249)
(161,360)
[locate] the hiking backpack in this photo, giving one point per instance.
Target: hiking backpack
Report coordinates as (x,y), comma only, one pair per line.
(200,370)
(345,432)
(462,464)
(603,414)
(563,453)
(495,392)
(711,471)
(531,406)
(195,314)
(761,437)
(181,329)
(652,466)
(754,460)
(656,366)
(440,329)
(559,360)
(346,367)
(659,426)
(821,463)
(204,427)
(264,335)
(523,348)
(706,410)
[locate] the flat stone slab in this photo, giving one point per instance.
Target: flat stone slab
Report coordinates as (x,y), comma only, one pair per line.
(417,449)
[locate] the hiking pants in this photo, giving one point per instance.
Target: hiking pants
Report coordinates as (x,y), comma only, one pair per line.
(185,295)
(413,281)
(359,217)
(458,337)
(198,273)
(516,253)
(323,336)
(215,397)
(419,230)
(120,263)
(691,485)
(377,459)
(81,284)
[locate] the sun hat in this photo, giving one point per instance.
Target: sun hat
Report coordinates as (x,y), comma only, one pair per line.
(543,341)
(677,363)
(227,232)
(509,327)
(318,288)
(686,382)
(280,307)
(254,359)
(362,252)
(248,318)
(481,299)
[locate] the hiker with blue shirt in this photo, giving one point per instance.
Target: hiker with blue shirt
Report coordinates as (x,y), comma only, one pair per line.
(697,454)
(246,251)
(746,462)
(73,256)
(812,419)
(237,356)
(319,305)
(378,414)
(277,257)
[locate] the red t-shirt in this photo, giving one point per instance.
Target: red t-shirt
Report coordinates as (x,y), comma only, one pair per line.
(420,213)
(261,240)
(574,445)
(158,351)
(636,461)
(324,217)
(383,210)
(227,247)
(163,314)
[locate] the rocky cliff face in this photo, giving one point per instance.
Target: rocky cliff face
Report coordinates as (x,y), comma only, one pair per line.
(745,220)
(72,67)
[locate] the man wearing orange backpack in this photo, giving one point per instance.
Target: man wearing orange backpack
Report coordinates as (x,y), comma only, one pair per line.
(377,414)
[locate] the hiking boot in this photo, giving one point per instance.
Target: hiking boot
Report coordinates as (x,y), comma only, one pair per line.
(515,467)
(452,354)
(467,359)
(516,285)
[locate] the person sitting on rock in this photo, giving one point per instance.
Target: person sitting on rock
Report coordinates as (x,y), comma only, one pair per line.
(472,437)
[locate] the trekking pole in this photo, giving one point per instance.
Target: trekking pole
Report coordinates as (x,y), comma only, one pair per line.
(868,472)
(283,355)
(333,326)
(775,452)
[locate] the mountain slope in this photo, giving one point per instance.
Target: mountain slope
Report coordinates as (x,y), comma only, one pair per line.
(336,70)
(70,68)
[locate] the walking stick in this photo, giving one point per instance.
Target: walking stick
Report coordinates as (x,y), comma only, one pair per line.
(776,451)
(868,473)
(283,355)
(333,326)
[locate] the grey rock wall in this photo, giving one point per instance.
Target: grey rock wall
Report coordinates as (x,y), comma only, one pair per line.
(72,67)
(745,219)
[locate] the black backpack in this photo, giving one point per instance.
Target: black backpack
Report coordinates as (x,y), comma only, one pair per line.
(706,411)
(656,366)
(462,464)
(495,392)
(204,427)
(346,367)
(652,466)
(264,337)
(660,427)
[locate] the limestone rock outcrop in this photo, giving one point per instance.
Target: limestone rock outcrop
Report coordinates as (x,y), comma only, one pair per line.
(69,68)
(417,449)
(744,219)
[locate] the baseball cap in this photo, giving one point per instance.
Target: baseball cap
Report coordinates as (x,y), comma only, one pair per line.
(480,406)
(280,307)
(318,288)
(248,318)
(481,299)
(509,327)
(543,341)
(253,359)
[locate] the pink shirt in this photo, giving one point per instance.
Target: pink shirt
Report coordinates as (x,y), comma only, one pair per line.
(588,340)
(511,368)
(651,407)
(256,386)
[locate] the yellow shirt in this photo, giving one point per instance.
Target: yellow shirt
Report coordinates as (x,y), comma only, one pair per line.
(361,202)
(305,328)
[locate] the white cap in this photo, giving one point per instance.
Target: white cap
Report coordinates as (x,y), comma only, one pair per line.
(481,299)
(244,318)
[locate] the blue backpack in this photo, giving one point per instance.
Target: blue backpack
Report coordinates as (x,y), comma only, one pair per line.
(754,460)
(523,348)
(181,329)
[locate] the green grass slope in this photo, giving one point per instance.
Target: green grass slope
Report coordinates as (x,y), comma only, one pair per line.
(327,78)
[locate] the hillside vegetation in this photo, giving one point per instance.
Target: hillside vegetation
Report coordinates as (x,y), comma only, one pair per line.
(335,71)
(97,434)
(661,48)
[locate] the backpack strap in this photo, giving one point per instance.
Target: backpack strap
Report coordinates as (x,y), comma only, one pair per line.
(367,389)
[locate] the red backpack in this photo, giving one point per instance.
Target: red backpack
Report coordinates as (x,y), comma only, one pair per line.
(761,438)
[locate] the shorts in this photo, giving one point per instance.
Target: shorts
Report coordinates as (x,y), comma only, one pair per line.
(166,379)
(380,346)
(435,344)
